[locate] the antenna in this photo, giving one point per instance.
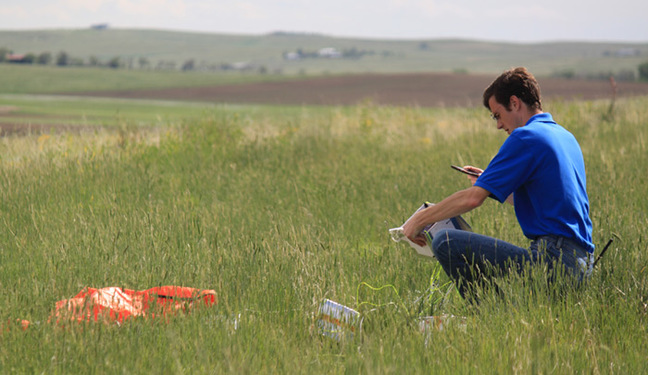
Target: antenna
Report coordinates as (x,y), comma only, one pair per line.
(602,252)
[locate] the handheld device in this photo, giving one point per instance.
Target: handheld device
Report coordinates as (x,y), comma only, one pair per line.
(466,171)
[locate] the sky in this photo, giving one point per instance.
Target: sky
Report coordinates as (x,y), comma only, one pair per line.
(496,20)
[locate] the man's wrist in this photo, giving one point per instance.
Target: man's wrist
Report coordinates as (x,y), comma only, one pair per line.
(420,222)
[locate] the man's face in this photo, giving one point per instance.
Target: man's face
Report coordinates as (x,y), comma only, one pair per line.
(506,120)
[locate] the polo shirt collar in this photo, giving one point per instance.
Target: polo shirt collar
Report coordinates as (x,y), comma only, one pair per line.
(541,117)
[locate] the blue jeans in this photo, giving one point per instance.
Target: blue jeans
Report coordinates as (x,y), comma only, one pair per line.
(469,257)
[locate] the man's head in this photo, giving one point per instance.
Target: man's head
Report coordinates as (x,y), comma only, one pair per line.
(519,82)
(513,98)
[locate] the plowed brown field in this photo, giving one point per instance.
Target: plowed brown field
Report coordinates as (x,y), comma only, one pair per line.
(424,90)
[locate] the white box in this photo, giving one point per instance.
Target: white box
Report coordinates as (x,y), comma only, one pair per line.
(337,321)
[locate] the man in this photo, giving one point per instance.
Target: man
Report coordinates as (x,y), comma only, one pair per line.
(540,170)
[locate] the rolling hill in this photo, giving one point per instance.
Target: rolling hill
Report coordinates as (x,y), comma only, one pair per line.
(312,54)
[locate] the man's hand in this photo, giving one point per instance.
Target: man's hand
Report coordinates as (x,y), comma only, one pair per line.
(454,205)
(413,230)
(473,179)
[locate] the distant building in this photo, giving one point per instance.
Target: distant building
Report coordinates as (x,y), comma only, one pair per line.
(330,53)
(99,26)
(240,66)
(292,56)
(16,58)
(625,52)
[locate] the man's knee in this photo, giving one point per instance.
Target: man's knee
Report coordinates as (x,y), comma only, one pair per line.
(441,244)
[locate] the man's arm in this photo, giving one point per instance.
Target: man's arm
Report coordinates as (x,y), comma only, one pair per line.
(454,205)
(473,179)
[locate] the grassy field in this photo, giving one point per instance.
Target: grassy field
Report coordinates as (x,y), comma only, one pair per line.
(378,56)
(18,79)
(279,208)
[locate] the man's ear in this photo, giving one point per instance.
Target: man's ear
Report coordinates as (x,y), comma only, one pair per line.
(514,103)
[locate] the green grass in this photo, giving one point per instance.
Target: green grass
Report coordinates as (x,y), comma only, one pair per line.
(36,79)
(89,113)
(277,209)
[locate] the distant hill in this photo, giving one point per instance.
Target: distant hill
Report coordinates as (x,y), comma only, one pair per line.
(294,53)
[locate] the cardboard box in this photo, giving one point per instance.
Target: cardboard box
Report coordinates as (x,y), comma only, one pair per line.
(337,321)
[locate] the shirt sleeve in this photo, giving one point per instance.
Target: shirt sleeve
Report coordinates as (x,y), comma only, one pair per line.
(509,169)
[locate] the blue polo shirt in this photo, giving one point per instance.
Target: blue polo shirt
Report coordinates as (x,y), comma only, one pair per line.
(541,163)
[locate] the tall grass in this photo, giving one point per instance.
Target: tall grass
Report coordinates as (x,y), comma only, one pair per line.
(277,211)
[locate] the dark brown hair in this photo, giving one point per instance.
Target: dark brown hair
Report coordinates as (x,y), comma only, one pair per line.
(519,82)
